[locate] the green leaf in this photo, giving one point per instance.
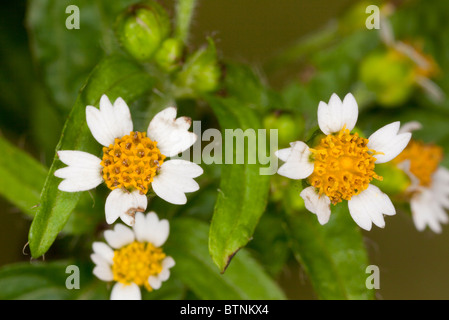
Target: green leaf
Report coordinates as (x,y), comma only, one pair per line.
(245,278)
(333,255)
(65,56)
(115,77)
(21,177)
(243,191)
(45,281)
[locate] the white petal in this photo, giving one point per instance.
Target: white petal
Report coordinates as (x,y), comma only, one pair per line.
(388,142)
(164,275)
(150,229)
(99,260)
(77,185)
(442,174)
(103,272)
(78,159)
(110,121)
(154,282)
(410,126)
(174,179)
(126,292)
(369,206)
(119,237)
(298,164)
(171,134)
(168,263)
(319,205)
(283,154)
(98,125)
(104,251)
(427,211)
(83,171)
(79,179)
(440,187)
(124,204)
(335,115)
(123,117)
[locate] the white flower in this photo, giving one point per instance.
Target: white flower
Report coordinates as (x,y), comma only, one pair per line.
(133,257)
(133,162)
(341,166)
(429,187)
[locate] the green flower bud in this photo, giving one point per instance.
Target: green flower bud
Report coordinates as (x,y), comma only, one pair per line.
(169,55)
(290,127)
(389,75)
(200,74)
(142,28)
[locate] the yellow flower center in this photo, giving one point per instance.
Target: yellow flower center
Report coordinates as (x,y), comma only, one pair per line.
(136,262)
(131,162)
(424,160)
(343,166)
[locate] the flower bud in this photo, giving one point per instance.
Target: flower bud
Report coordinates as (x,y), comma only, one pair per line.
(200,74)
(142,28)
(169,55)
(389,75)
(290,127)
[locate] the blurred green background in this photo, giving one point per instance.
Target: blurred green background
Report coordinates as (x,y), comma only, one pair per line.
(413,265)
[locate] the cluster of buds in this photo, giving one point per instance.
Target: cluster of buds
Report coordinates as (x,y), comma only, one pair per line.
(145,33)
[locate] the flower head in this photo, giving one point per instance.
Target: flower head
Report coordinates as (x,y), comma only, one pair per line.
(341,166)
(133,258)
(429,182)
(133,162)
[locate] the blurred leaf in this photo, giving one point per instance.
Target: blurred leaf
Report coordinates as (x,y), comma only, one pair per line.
(21,177)
(15,66)
(333,255)
(243,190)
(245,278)
(172,289)
(21,180)
(245,84)
(66,56)
(115,77)
(44,281)
(270,244)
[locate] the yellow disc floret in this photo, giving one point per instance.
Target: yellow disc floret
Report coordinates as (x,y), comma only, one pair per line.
(131,162)
(424,160)
(135,262)
(343,166)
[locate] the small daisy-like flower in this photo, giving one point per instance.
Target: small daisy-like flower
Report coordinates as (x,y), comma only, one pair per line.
(133,258)
(341,166)
(429,187)
(133,162)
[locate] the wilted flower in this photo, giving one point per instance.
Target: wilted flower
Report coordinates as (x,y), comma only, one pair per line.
(429,188)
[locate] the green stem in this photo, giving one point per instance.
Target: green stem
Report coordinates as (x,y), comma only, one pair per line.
(184,14)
